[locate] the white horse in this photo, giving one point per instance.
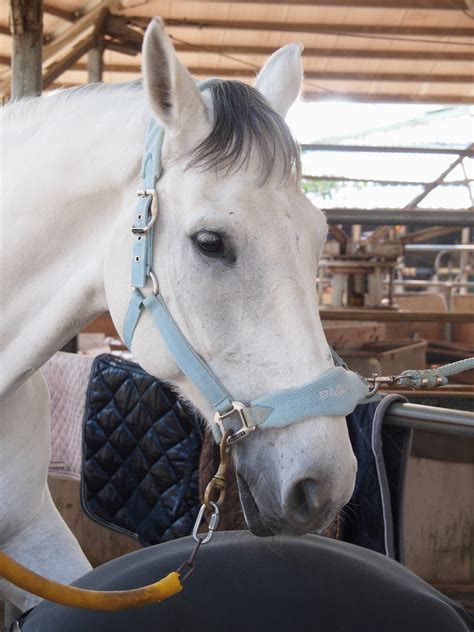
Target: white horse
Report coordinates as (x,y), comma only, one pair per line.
(236,249)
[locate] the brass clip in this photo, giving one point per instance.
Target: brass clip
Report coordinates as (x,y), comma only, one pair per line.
(218,482)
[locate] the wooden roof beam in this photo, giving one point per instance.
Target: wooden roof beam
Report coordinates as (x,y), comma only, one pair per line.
(56,69)
(129,47)
(67,16)
(309,75)
(308,27)
(429,5)
(357,97)
(349,53)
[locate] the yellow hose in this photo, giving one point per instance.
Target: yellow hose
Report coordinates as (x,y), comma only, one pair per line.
(90,599)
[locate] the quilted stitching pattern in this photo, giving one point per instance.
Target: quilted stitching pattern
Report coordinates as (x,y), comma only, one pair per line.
(141,454)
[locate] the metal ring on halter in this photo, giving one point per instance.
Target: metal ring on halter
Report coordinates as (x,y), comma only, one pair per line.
(240,433)
(154,280)
(136,230)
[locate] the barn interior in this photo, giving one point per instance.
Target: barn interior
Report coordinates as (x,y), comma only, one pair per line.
(396,277)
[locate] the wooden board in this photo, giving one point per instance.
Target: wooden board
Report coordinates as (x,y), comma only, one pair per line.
(439,519)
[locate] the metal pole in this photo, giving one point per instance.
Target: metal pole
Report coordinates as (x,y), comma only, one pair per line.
(27,44)
(393,217)
(391,316)
(466,247)
(444,284)
(431,418)
(380,149)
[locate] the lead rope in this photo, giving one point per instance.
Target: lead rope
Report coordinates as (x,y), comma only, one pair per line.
(425,378)
(27,580)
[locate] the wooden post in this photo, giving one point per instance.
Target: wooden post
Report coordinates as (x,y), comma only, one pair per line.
(27,44)
(95,62)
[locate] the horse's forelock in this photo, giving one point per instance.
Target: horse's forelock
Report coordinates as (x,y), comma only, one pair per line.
(243,120)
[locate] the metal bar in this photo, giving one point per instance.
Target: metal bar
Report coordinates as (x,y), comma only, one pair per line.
(312,96)
(393,316)
(394,217)
(438,248)
(433,185)
(403,183)
(431,418)
(443,284)
(461,151)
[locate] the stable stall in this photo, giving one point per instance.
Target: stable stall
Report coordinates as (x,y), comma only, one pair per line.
(379,312)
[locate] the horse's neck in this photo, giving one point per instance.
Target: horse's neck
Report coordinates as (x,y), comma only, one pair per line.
(67,166)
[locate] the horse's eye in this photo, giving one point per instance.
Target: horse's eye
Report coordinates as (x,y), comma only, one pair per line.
(209,243)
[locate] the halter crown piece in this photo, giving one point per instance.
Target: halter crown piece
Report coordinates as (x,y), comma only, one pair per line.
(335,393)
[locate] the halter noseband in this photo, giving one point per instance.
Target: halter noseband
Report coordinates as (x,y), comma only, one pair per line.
(335,393)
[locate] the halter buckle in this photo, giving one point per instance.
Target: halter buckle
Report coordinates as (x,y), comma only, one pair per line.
(240,433)
(139,230)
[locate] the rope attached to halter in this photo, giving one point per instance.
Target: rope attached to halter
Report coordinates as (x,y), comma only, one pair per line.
(434,377)
(421,378)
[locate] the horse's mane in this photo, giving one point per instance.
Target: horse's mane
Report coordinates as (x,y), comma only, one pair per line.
(55,100)
(243,119)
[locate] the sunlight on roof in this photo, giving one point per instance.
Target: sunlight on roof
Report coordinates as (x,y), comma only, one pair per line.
(402,125)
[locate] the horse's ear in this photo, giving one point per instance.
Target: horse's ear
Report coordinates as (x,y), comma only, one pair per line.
(171,91)
(280,79)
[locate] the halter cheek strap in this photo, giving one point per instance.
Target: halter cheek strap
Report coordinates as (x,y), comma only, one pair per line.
(335,393)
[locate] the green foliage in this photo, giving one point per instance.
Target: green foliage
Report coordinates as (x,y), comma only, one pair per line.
(325,189)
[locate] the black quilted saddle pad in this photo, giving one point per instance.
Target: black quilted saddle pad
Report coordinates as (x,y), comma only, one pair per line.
(141,451)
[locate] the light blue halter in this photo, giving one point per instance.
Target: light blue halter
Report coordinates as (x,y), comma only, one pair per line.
(335,393)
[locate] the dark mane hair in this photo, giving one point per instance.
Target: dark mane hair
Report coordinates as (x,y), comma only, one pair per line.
(244,119)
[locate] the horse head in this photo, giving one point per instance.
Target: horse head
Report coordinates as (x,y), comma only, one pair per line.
(235,251)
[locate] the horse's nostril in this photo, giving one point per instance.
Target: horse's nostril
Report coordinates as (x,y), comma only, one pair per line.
(305,498)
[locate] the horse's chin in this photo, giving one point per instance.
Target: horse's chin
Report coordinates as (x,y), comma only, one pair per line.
(260,526)
(253,517)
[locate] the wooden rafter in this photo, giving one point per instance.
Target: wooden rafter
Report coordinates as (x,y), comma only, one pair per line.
(67,16)
(349,53)
(127,40)
(67,36)
(430,5)
(309,27)
(358,97)
(56,69)
(309,75)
